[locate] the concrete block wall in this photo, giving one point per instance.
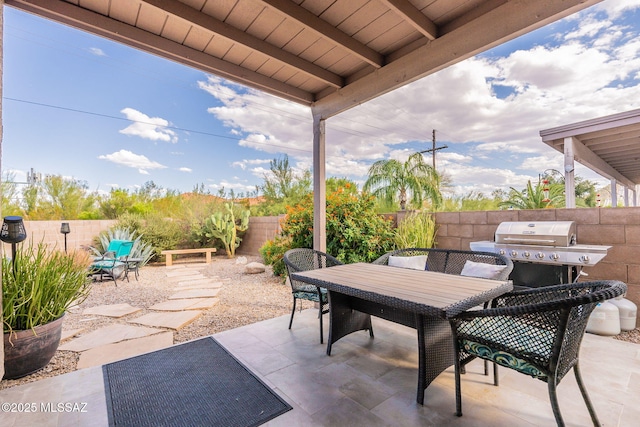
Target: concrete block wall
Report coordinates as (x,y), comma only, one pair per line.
(615,227)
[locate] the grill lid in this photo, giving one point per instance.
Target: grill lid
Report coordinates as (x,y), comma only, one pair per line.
(541,233)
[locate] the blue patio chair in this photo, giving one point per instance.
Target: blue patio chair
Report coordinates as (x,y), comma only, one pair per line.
(113,262)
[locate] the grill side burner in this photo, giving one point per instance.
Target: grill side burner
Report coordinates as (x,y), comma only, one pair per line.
(543,252)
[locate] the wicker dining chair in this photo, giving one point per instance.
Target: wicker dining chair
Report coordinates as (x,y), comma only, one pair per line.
(302,259)
(452,261)
(536,332)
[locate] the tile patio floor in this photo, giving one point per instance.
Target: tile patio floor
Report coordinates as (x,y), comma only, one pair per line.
(373,383)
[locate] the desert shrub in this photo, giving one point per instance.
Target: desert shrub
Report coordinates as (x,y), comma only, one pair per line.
(272,253)
(163,233)
(355,232)
(417,230)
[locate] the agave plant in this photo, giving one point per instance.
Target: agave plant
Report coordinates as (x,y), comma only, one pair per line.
(140,249)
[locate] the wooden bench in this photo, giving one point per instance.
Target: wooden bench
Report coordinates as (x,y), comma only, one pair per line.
(171,252)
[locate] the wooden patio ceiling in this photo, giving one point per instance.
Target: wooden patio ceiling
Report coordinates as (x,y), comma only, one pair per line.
(608,145)
(327,54)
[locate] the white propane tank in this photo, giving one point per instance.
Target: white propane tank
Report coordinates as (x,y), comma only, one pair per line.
(628,313)
(604,319)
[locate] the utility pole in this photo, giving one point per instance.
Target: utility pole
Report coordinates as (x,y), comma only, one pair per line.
(434,149)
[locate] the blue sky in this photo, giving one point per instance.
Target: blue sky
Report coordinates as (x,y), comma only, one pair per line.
(86,108)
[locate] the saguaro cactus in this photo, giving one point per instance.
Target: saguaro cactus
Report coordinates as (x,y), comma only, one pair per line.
(223,226)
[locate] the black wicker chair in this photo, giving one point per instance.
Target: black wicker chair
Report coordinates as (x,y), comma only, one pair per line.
(537,332)
(302,259)
(452,261)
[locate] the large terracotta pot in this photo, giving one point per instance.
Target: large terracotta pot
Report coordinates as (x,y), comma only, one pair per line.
(26,352)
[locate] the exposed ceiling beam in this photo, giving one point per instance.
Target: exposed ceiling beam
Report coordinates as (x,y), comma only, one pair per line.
(310,21)
(413,16)
(449,49)
(101,25)
(195,17)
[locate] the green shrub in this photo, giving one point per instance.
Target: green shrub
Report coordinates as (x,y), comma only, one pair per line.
(272,253)
(355,232)
(417,230)
(163,233)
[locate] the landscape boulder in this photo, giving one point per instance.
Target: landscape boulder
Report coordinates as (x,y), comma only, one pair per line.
(254,268)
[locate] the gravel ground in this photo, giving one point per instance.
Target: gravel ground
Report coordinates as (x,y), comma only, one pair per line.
(244,299)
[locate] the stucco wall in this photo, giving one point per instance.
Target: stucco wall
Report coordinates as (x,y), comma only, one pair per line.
(261,229)
(81,235)
(616,227)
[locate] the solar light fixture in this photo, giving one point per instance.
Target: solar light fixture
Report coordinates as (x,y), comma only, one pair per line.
(64,229)
(13,232)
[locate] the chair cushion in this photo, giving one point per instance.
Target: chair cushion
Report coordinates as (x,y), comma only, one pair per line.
(510,342)
(106,264)
(502,358)
(418,262)
(482,270)
(310,293)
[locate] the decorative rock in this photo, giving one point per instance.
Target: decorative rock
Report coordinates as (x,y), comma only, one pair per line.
(254,268)
(241,260)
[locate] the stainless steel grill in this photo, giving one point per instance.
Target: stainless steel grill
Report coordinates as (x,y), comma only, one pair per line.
(543,243)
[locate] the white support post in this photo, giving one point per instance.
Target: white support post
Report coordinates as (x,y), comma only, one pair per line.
(614,193)
(1,135)
(319,185)
(569,176)
(626,196)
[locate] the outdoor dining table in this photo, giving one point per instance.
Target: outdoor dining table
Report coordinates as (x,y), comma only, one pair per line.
(423,300)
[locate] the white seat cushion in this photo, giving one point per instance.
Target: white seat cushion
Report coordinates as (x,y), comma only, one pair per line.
(418,262)
(482,270)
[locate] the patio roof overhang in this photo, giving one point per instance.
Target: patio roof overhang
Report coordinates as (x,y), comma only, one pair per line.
(608,145)
(330,55)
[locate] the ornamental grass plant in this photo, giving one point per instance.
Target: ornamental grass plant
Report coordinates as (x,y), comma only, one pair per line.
(417,230)
(40,285)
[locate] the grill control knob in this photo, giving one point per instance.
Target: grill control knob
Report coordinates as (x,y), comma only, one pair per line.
(585,259)
(514,254)
(554,256)
(526,254)
(540,255)
(502,252)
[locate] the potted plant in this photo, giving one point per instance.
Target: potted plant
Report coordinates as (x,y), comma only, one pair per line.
(38,286)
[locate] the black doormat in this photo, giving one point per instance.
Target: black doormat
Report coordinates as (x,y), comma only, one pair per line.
(194,384)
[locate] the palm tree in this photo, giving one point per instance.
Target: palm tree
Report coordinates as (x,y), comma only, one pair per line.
(412,179)
(535,198)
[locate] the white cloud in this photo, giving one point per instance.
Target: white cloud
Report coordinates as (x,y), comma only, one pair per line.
(237,187)
(131,160)
(153,128)
(242,164)
(488,109)
(97,51)
(185,169)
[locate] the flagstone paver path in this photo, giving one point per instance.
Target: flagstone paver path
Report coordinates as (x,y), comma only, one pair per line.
(195,292)
(112,310)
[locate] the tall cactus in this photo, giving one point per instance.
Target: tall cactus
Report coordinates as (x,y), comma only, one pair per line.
(223,226)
